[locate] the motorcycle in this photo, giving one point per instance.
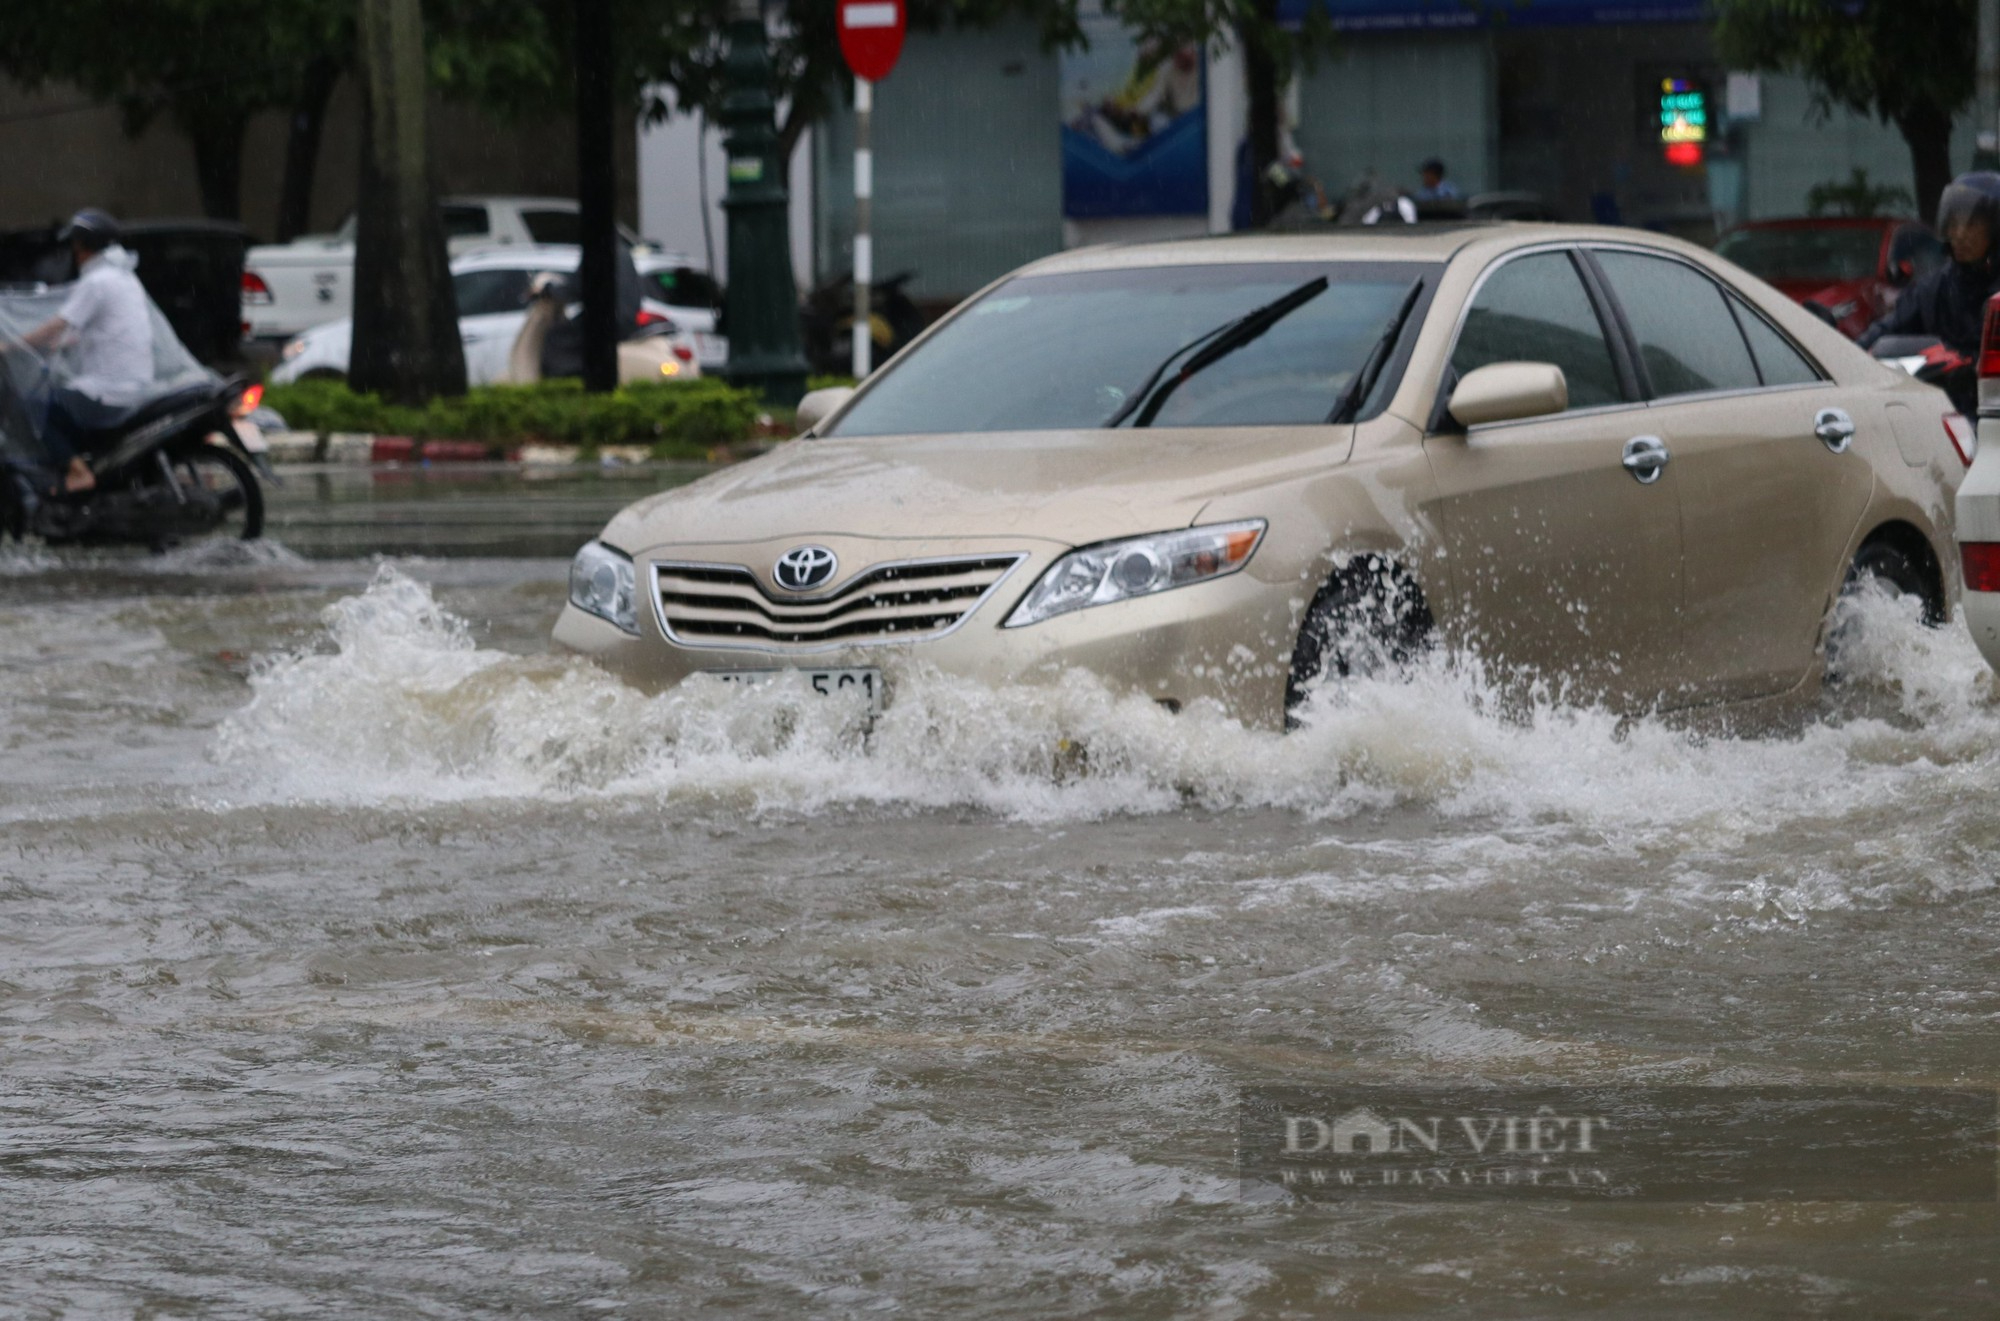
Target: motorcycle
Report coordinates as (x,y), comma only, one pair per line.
(1931,361)
(827,318)
(179,466)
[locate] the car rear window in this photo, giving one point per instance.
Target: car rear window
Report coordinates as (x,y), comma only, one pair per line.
(1827,255)
(1064,351)
(1777,361)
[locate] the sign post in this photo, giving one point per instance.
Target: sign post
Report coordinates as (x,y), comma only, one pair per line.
(871,37)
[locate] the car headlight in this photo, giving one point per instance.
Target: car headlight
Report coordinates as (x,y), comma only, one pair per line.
(1138,566)
(293,347)
(602,582)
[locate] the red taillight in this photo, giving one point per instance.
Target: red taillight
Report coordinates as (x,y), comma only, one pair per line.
(648,317)
(1964,436)
(248,401)
(255,291)
(1989,340)
(1982,565)
(684,353)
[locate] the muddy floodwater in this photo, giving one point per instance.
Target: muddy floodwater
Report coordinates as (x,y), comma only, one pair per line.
(362,957)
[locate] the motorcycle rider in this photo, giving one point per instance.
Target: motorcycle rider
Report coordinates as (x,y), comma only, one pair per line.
(1950,302)
(108,320)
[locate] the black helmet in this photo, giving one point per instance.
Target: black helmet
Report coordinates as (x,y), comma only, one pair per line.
(94,229)
(1974,196)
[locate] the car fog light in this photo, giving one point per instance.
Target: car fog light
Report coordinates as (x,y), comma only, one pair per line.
(602,582)
(1138,566)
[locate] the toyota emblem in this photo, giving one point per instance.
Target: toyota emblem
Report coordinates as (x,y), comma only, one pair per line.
(803,568)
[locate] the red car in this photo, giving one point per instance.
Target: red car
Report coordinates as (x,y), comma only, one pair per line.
(1852,269)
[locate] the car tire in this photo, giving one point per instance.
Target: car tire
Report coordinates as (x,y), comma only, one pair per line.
(1885,562)
(1369,618)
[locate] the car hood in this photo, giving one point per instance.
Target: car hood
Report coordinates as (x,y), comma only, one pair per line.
(1073,487)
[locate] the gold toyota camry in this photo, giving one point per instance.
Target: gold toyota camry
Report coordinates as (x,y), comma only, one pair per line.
(1220,469)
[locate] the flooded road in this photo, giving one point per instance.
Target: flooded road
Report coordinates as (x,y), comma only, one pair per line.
(361,957)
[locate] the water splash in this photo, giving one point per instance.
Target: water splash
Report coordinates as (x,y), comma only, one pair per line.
(399,703)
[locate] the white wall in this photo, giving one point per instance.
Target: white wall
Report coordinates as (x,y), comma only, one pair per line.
(1793,147)
(671,161)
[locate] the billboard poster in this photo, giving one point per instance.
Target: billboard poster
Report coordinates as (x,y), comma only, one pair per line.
(1134,127)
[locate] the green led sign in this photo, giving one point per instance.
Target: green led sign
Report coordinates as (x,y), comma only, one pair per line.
(1683,112)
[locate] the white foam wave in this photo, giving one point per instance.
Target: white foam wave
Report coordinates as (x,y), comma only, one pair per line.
(401,704)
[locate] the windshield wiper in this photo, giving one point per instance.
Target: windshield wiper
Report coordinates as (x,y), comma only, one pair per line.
(1221,342)
(1378,358)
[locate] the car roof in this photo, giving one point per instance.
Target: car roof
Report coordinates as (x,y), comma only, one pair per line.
(519,256)
(511,199)
(1826,222)
(1386,243)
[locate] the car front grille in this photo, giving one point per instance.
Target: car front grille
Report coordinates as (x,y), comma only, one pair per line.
(725,605)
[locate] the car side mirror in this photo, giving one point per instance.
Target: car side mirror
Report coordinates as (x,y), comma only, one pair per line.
(819,405)
(1509,391)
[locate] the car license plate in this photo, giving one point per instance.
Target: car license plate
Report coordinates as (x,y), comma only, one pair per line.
(711,348)
(866,683)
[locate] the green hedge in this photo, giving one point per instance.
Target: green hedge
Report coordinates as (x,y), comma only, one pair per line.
(678,419)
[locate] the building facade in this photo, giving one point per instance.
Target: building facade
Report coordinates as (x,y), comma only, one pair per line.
(989,151)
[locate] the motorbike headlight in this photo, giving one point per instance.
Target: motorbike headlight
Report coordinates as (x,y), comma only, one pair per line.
(602,582)
(1138,566)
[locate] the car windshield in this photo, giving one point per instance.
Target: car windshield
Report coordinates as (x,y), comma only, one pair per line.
(1060,352)
(1829,255)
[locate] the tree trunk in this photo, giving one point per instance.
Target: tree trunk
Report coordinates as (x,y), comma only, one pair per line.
(1260,79)
(1927,130)
(596,191)
(302,139)
(406,344)
(217,138)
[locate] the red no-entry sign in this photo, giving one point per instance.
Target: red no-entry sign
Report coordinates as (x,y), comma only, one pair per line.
(871,36)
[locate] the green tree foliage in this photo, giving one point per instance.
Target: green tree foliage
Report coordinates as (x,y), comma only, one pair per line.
(1908,62)
(206,66)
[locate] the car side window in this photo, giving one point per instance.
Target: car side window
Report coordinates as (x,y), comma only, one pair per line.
(461,221)
(553,226)
(1777,361)
(482,293)
(1535,309)
(1687,337)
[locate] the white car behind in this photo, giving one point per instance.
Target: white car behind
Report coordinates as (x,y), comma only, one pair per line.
(1979,503)
(492,289)
(292,287)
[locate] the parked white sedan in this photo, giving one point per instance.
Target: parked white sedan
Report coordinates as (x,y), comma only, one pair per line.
(492,290)
(289,288)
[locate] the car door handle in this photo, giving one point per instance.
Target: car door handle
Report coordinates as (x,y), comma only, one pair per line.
(1834,428)
(1646,458)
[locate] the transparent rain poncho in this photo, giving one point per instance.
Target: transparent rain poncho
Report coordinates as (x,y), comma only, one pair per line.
(28,376)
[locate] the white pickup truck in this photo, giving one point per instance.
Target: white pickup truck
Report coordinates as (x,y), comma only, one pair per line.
(291,287)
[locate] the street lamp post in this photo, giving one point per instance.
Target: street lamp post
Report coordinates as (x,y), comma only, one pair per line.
(762,304)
